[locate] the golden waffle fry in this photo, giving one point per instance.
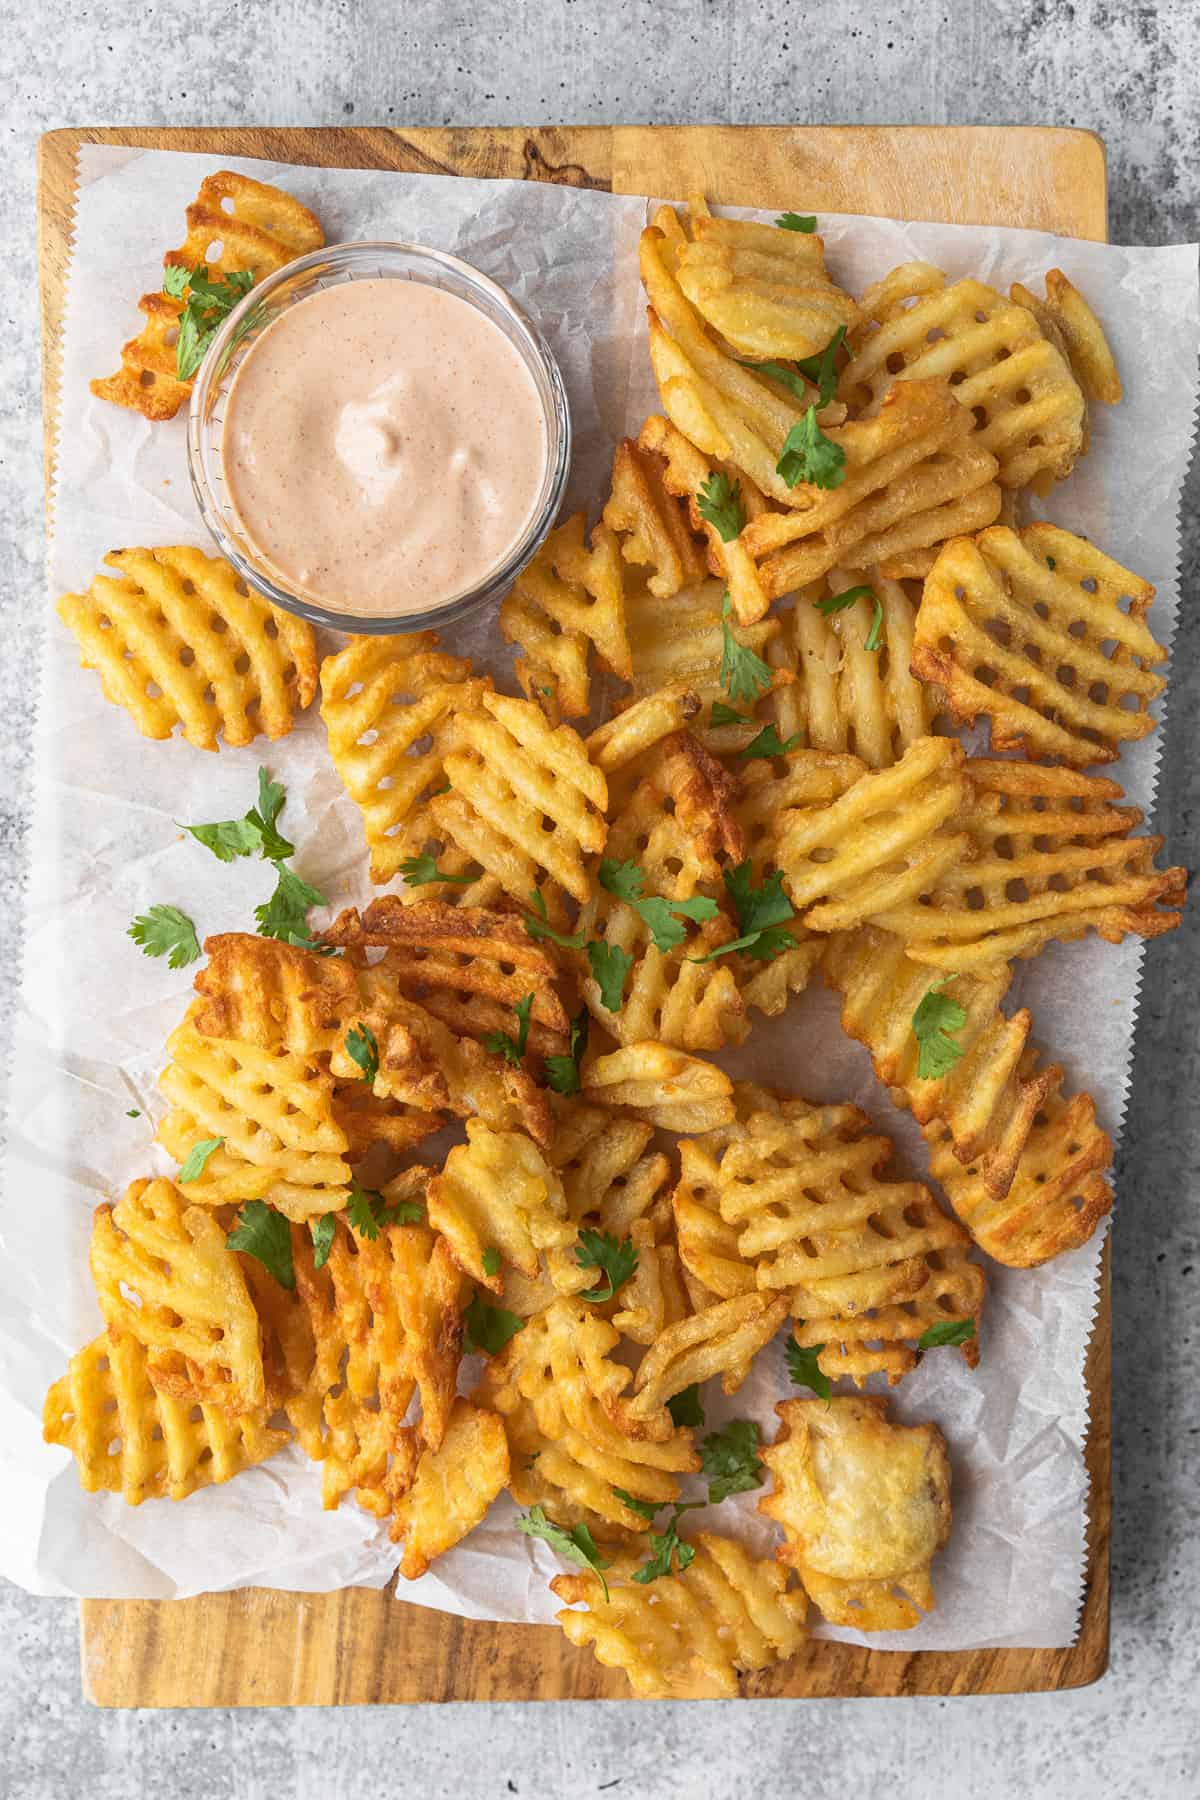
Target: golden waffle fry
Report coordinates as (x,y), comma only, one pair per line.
(510,772)
(677,657)
(762,287)
(163,1275)
(864,1506)
(467,966)
(1028,629)
(653,528)
(611,1178)
(1059,1193)
(1028,407)
(844,696)
(571,596)
(654,1296)
(368,1120)
(387,703)
(1052,858)
(275,995)
(689,1637)
(662,1085)
(181,640)
(887,839)
(496,1192)
(916,474)
(227,1179)
(987,1100)
(1065,315)
(128,1438)
(452,1489)
(272,1109)
(722,1340)
(260,229)
(708,1247)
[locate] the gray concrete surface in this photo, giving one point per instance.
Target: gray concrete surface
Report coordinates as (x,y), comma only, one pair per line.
(1131,72)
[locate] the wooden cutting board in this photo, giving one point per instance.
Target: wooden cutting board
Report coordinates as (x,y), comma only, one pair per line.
(262,1648)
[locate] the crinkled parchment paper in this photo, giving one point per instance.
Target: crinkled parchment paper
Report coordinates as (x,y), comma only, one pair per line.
(94,1012)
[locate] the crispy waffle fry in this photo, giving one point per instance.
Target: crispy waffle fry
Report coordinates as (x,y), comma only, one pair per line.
(164,1276)
(665,1086)
(864,1506)
(509,773)
(1028,407)
(1059,1193)
(571,596)
(275,995)
(1029,630)
(368,1120)
(227,1179)
(687,1638)
(181,640)
(128,1438)
(452,1489)
(466,965)
(722,1340)
(653,529)
(261,229)
(1052,858)
(497,1192)
(844,696)
(387,703)
(883,842)
(1066,319)
(612,1180)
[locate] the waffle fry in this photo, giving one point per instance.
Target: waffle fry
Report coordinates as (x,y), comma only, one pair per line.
(452,1488)
(368,1121)
(722,1340)
(864,1506)
(497,1192)
(509,771)
(180,640)
(611,1178)
(1067,320)
(664,1086)
(885,840)
(653,529)
(690,1637)
(1028,407)
(569,598)
(164,1276)
(263,229)
(128,1438)
(677,654)
(274,995)
(1052,858)
(844,696)
(387,703)
(1028,630)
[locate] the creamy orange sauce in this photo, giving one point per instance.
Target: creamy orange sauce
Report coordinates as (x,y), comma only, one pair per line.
(383,447)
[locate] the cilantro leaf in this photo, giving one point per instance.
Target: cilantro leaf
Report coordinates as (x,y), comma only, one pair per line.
(935,1021)
(744,676)
(165,931)
(491,1260)
(596,1249)
(804,1370)
(133,1113)
(512,1049)
(667,1546)
(729,1458)
(809,456)
(875,636)
(624,879)
(790,221)
(322,1230)
(271,798)
(285,914)
(418,870)
(364,1210)
(193,1166)
(610,965)
(562,1072)
(756,908)
(789,378)
(726,715)
(947,1331)
(719,501)
(363,1050)
(175,280)
(685,1407)
(835,603)
(538,928)
(821,369)
(645,1509)
(767,743)
(577,1545)
(488,1328)
(205,304)
(659,915)
(263,1233)
(228,838)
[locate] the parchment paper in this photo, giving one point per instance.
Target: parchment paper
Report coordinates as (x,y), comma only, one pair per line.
(94,1012)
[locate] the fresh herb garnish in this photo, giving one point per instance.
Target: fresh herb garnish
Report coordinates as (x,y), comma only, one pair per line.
(729,1458)
(874,637)
(193,1166)
(577,1545)
(836,603)
(263,1233)
(133,1113)
(624,879)
(791,221)
(804,1369)
(609,965)
(947,1331)
(538,928)
(369,1211)
(761,914)
(667,1546)
(285,914)
(322,1230)
(935,1021)
(255,831)
(768,743)
(488,1328)
(205,304)
(491,1260)
(744,676)
(362,1049)
(510,1048)
(418,870)
(820,369)
(165,931)
(562,1072)
(617,1261)
(726,715)
(809,456)
(719,501)
(645,1509)
(686,1407)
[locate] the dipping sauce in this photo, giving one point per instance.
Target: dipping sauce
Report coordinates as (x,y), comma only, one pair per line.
(383,447)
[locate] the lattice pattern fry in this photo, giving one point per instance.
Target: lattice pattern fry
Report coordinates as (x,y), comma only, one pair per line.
(1068,321)
(180,640)
(497,1192)
(274,995)
(722,1340)
(665,1086)
(653,528)
(452,1488)
(569,598)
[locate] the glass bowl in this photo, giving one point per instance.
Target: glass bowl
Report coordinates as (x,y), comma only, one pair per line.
(252,316)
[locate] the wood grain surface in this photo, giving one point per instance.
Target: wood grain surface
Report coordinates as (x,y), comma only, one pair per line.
(258,1647)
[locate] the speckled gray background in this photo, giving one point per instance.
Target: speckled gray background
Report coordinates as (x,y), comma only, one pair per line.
(1131,72)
